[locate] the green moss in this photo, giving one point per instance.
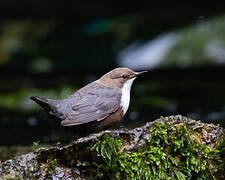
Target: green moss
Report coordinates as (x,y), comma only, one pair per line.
(52,165)
(170,153)
(48,168)
(222,154)
(11,178)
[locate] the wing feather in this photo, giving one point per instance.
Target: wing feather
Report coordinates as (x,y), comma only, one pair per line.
(95,106)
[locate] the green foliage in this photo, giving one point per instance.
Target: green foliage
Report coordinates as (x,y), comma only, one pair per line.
(51,166)
(36,144)
(170,153)
(194,43)
(20,100)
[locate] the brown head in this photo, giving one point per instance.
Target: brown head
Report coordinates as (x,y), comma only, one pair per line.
(117,77)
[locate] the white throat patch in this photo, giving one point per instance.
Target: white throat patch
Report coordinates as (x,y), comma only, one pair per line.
(125,98)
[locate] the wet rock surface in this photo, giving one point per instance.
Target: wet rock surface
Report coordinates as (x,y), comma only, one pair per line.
(74,161)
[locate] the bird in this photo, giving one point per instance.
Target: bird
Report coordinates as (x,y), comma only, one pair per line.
(98,105)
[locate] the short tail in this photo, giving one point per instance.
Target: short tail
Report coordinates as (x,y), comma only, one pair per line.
(43,102)
(52,106)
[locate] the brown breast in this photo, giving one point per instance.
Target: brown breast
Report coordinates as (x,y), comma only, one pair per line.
(110,120)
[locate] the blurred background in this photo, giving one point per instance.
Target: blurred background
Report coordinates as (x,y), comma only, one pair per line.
(52,49)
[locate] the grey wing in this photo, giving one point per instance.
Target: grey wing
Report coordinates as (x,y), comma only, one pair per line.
(95,106)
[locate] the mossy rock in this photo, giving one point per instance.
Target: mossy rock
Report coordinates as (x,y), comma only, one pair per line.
(173,147)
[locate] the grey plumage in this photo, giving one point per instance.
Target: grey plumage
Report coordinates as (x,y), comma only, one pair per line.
(91,103)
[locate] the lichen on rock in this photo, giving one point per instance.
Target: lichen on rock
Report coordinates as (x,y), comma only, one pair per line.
(173,147)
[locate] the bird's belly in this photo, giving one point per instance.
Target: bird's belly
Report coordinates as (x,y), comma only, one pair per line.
(96,126)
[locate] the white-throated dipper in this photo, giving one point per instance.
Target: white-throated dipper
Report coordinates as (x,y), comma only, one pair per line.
(97,105)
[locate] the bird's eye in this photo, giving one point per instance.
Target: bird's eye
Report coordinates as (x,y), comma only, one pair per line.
(125,76)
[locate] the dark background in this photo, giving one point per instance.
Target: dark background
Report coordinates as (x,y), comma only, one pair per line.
(52,48)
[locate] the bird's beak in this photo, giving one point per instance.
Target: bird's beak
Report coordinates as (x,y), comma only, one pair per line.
(139,73)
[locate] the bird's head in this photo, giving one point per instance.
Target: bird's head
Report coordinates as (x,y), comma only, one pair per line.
(119,76)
